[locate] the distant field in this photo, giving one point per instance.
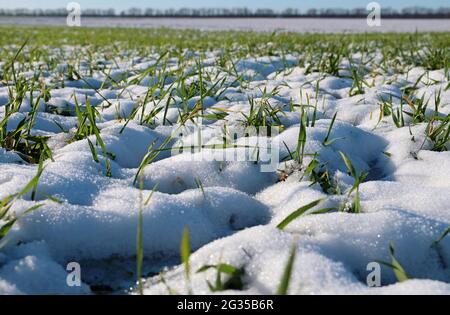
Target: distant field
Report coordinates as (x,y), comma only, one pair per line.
(232,40)
(301,25)
(119,151)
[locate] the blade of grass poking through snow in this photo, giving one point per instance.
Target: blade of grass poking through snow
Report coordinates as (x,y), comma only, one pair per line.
(440,134)
(439,250)
(7,203)
(348,164)
(297,213)
(234,281)
(199,184)
(168,288)
(139,244)
(400,273)
(91,117)
(149,157)
(139,237)
(4,229)
(326,141)
(152,154)
(396,267)
(38,175)
(88,84)
(147,201)
(301,142)
(185,251)
(200,77)
(356,202)
(93,151)
(287,274)
(15,58)
(53,198)
(443,235)
(32,184)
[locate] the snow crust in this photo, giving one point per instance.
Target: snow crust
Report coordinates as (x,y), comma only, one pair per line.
(231,208)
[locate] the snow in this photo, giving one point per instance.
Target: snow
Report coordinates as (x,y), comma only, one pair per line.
(31,270)
(129,146)
(346,138)
(108,226)
(8,157)
(324,264)
(301,25)
(180,172)
(231,208)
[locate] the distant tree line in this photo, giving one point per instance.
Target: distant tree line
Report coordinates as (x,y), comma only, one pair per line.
(412,12)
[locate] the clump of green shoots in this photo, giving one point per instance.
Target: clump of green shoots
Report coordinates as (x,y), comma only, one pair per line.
(395,265)
(435,58)
(233,281)
(419,108)
(387,109)
(262,113)
(29,147)
(8,219)
(87,126)
(438,131)
(21,140)
(318,173)
(358,83)
(358,179)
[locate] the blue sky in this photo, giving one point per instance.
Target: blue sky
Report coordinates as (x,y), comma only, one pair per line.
(275,4)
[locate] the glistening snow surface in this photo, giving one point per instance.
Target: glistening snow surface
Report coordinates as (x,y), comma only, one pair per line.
(231,208)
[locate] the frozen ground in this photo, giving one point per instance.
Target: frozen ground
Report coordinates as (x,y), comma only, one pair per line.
(301,25)
(389,115)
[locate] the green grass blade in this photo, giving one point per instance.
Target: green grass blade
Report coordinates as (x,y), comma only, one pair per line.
(294,215)
(286,278)
(443,235)
(185,250)
(348,164)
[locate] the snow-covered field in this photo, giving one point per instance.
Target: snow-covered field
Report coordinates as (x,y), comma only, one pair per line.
(301,25)
(87,174)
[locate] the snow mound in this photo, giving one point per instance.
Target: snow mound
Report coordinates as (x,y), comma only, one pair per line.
(108,227)
(263,253)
